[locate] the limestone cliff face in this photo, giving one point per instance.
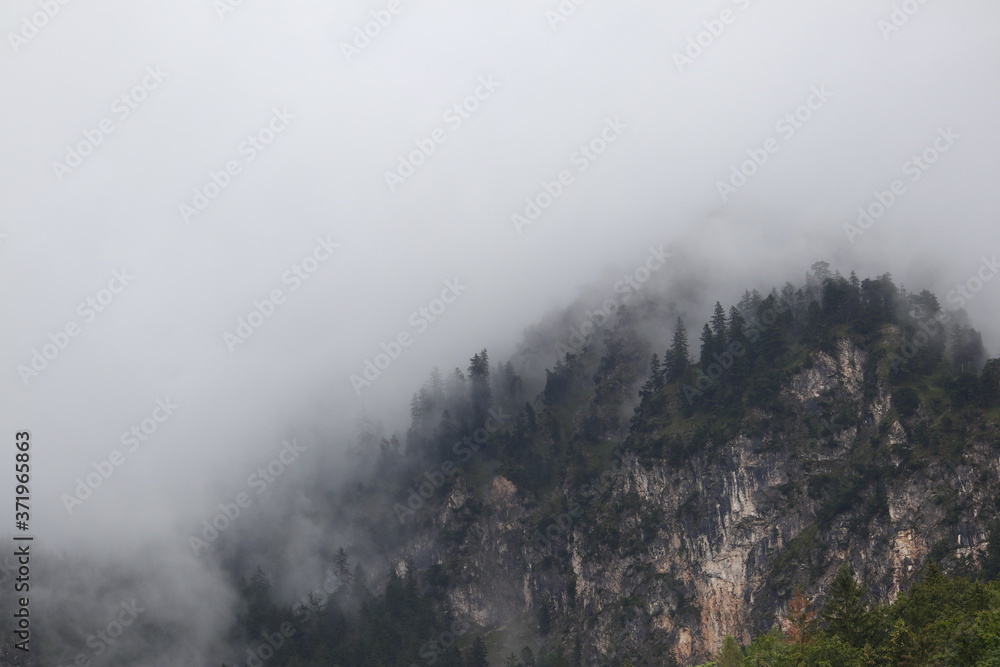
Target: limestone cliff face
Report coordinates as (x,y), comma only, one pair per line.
(666,555)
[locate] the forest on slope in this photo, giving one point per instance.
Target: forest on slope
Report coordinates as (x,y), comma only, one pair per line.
(563,519)
(943,391)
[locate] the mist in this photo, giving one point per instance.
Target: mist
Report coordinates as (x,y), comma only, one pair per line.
(270,199)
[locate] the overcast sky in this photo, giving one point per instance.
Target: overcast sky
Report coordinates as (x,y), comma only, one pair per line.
(300,119)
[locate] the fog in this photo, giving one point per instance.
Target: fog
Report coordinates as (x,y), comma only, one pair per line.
(296,126)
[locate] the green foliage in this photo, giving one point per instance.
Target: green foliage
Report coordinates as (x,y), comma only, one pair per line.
(845,613)
(730,655)
(941,621)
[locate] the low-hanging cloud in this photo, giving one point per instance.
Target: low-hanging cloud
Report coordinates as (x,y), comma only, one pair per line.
(246,207)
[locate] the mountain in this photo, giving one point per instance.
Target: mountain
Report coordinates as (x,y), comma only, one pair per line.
(649,499)
(642,505)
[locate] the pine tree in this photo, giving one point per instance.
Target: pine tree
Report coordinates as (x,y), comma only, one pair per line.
(928,303)
(736,326)
(477,653)
(717,344)
(655,381)
(342,568)
(967,351)
(818,274)
(457,397)
(530,417)
(418,407)
(436,388)
(719,328)
(749,303)
(677,359)
(480,395)
(845,613)
(738,344)
(707,348)
(772,338)
(854,298)
(508,389)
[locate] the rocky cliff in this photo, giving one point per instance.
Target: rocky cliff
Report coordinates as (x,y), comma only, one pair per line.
(690,530)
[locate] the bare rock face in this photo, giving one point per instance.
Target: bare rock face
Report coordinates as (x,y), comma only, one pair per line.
(503,493)
(670,558)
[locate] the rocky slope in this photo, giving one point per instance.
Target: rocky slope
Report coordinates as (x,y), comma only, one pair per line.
(678,539)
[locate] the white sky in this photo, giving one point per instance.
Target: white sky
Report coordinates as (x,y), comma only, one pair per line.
(323,175)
